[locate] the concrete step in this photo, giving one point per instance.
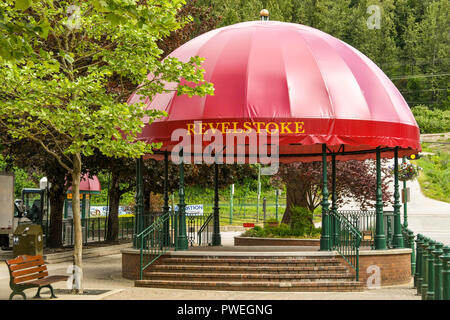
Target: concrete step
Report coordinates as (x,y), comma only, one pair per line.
(253,285)
(234,261)
(154,275)
(247,269)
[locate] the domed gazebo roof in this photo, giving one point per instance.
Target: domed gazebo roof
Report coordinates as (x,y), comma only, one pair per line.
(315,89)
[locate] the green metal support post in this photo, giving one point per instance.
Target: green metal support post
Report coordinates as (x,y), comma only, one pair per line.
(446,273)
(410,236)
(380,238)
(166,199)
(418,274)
(438,271)
(182,241)
(139,198)
(424,284)
(277,194)
(216,237)
(398,238)
(325,236)
(430,291)
(405,205)
(259,192)
(231,204)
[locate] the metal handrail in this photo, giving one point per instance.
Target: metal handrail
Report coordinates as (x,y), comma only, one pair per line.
(347,242)
(202,229)
(153,241)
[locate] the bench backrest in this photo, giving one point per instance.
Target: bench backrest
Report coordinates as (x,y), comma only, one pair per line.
(26,268)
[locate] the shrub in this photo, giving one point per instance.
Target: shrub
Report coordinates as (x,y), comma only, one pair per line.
(301,220)
(269,222)
(431,120)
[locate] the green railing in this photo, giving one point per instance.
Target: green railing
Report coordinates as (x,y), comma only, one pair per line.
(155,240)
(194,223)
(431,267)
(346,240)
(161,236)
(364,222)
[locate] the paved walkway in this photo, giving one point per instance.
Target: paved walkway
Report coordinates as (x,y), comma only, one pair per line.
(105,273)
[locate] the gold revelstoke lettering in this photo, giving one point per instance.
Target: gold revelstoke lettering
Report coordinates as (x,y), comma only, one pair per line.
(235,128)
(258,126)
(285,127)
(213,129)
(299,127)
(274,125)
(203,127)
(247,126)
(225,127)
(191,128)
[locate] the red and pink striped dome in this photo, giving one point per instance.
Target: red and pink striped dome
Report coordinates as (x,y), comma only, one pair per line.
(280,73)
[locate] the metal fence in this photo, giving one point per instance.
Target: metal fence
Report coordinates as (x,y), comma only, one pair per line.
(346,240)
(94,230)
(364,221)
(430,266)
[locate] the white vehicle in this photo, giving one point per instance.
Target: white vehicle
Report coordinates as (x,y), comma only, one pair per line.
(7,226)
(32,208)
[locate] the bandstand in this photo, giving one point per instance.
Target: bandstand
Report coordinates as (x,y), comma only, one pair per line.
(303,96)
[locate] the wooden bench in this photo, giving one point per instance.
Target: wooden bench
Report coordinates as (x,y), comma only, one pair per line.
(30,272)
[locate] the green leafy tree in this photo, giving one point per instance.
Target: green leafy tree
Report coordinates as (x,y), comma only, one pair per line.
(74,67)
(427,47)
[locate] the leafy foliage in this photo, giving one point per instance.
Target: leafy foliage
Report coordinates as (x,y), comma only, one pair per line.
(67,70)
(303,184)
(434,177)
(407,171)
(281,231)
(302,220)
(432,120)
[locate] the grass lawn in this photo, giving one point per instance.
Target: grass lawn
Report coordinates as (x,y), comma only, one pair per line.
(434,178)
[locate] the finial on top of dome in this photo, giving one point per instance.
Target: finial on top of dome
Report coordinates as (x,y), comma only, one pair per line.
(264,14)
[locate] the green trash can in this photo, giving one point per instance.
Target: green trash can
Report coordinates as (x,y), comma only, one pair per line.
(28,239)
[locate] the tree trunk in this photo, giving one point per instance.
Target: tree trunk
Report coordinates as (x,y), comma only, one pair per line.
(57,195)
(78,239)
(112,234)
(295,196)
(147,203)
